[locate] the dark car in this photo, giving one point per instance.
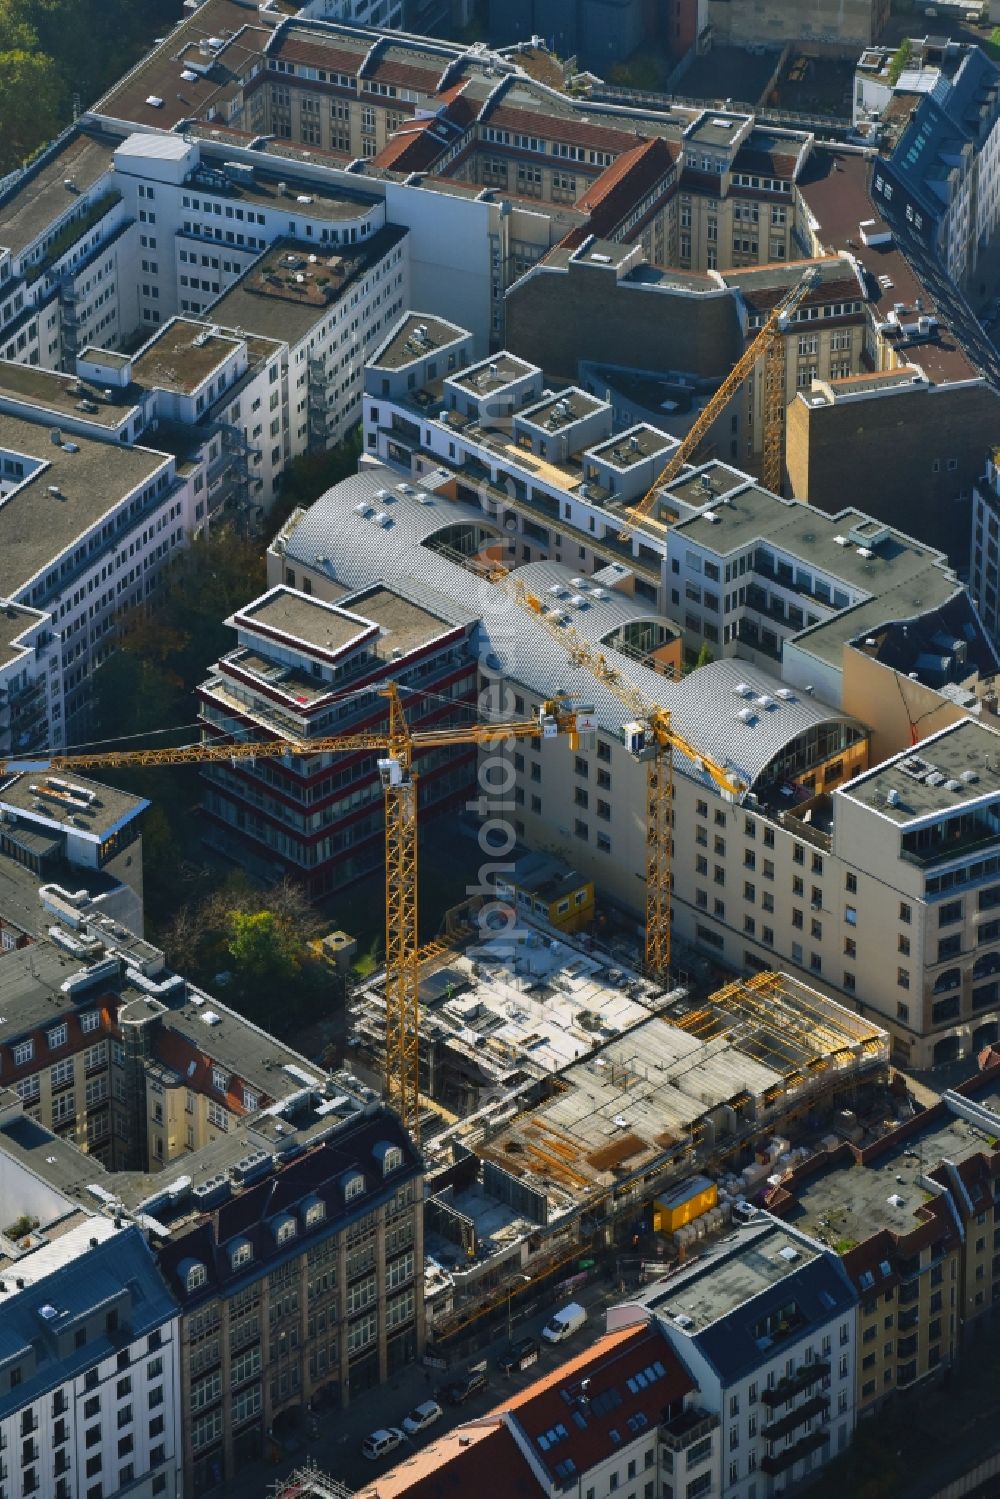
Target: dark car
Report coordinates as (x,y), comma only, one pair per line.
(465,1386)
(520,1355)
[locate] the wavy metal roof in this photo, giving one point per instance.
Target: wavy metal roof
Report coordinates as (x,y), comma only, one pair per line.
(358,550)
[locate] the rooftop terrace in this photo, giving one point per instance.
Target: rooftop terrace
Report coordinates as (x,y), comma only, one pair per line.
(293,285)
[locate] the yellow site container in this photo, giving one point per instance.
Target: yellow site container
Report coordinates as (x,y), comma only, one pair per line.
(686,1203)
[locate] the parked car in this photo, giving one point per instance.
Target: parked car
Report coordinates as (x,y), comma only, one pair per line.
(421,1417)
(520,1355)
(465,1386)
(380,1442)
(565,1323)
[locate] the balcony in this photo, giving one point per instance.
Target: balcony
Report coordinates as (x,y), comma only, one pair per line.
(803,1379)
(776,1430)
(780,1462)
(687,1428)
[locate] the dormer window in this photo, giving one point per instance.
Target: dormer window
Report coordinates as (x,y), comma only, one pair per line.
(354,1186)
(285,1229)
(251,1100)
(195,1275)
(220,1079)
(240,1254)
(58,1036)
(315,1212)
(389,1157)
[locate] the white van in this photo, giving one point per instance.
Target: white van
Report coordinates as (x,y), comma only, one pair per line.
(565,1323)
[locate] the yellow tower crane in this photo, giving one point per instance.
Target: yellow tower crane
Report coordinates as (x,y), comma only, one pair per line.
(769,344)
(649,737)
(397,746)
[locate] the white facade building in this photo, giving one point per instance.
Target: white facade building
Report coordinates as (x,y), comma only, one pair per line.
(766,1324)
(89,1349)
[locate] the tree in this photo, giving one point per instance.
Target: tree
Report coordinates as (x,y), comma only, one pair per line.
(705,656)
(265,949)
(29,105)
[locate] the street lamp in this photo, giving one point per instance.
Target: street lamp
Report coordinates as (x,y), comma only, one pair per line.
(510,1292)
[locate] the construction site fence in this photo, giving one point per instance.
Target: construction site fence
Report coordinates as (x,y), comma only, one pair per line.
(976,1478)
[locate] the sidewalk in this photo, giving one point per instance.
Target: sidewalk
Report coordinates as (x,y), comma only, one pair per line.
(337,1450)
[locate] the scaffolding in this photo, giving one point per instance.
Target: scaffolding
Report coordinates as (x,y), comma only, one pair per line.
(310,1482)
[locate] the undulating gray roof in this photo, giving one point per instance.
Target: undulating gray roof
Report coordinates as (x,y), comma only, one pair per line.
(357,550)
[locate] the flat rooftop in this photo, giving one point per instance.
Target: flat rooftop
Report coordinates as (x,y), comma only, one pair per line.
(959,766)
(30,205)
(37,527)
(843,1205)
(418,335)
(62,394)
(158,76)
(629,448)
(70,801)
(293,285)
(403,624)
(746,1265)
(182,356)
(491,375)
(560,410)
(752,513)
(716,129)
(305,619)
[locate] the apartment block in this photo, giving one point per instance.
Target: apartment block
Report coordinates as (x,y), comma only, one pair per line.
(766,1323)
(929,372)
(940,173)
(90,1352)
(914,1216)
(304,668)
(111,519)
(285,1205)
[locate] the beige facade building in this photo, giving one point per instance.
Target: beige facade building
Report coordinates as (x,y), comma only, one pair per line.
(923,1256)
(817,868)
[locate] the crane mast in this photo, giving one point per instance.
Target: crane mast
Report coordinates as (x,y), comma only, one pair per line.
(396,745)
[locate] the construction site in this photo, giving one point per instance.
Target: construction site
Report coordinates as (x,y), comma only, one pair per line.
(566,1100)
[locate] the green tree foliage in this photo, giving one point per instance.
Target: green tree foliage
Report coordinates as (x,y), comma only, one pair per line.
(53,50)
(29,104)
(265,951)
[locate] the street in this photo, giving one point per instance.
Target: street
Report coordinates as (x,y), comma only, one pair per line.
(337,1450)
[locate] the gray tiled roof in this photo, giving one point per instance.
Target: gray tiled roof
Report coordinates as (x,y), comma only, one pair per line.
(359,551)
(75,1290)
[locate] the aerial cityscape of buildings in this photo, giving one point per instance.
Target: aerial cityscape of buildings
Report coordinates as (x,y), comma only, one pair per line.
(674,415)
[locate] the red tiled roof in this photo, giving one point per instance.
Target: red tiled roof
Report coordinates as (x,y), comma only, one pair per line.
(404,75)
(625,183)
(608,1364)
(557,127)
(318,55)
(480,1457)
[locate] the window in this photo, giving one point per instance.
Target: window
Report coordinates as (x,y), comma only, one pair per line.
(58,1036)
